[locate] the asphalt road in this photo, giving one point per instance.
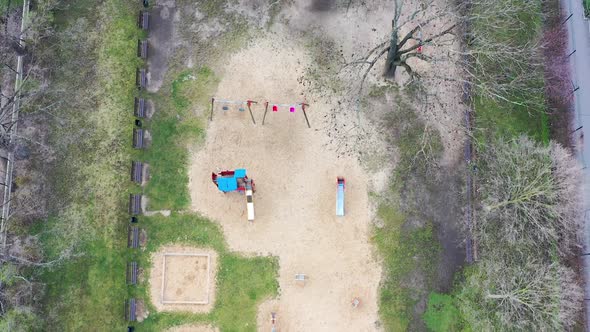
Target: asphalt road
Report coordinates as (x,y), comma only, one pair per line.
(579,40)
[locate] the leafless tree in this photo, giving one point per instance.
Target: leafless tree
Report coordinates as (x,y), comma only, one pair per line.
(503,66)
(533,296)
(406,39)
(530,196)
(558,81)
(495,65)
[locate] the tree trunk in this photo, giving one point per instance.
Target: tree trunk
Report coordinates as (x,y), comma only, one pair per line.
(392,56)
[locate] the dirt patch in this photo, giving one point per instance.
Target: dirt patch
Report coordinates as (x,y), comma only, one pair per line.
(161,41)
(183,279)
(193,328)
(141,311)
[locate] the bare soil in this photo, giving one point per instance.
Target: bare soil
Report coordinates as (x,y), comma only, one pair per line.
(160,42)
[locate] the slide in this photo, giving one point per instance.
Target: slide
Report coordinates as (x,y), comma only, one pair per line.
(340,197)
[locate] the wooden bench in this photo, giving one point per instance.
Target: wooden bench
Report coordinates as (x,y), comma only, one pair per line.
(139,109)
(142,49)
(138,136)
(137,171)
(141,78)
(132,273)
(130,307)
(133,237)
(143,20)
(134,204)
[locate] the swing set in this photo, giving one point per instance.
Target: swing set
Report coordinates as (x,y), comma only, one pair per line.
(242,105)
(225,107)
(292,108)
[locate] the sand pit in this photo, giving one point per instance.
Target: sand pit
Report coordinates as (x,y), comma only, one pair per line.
(183,279)
(185,288)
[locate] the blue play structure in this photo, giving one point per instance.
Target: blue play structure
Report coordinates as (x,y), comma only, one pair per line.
(340,196)
(228,181)
(237,180)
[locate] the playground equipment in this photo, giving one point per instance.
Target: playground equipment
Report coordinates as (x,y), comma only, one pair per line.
(300,277)
(340,196)
(273,321)
(237,180)
(292,108)
(242,105)
(356,302)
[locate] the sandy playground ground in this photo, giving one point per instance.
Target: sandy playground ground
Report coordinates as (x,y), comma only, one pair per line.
(295,200)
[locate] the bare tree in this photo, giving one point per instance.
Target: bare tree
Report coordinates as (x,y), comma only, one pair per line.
(557,71)
(530,196)
(495,65)
(405,41)
(535,296)
(502,58)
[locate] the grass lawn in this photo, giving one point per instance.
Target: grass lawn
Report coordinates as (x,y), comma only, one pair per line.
(494,119)
(242,283)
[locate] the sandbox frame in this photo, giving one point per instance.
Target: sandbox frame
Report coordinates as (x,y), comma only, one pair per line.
(206,301)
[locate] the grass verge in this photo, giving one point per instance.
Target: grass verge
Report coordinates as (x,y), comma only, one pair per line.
(174,127)
(405,237)
(407,254)
(442,314)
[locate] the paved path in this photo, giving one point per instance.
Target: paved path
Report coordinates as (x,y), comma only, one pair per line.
(579,40)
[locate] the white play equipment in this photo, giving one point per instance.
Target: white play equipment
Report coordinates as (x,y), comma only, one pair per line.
(340,183)
(237,180)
